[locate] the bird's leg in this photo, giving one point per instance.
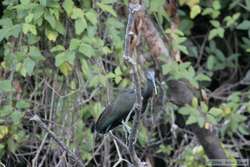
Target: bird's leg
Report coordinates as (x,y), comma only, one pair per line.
(127,129)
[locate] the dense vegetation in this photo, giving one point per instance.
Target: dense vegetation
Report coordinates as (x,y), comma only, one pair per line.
(62,60)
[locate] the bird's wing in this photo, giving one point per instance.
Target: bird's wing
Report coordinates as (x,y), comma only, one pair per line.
(124,103)
(104,120)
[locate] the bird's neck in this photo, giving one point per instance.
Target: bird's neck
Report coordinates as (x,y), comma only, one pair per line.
(148,89)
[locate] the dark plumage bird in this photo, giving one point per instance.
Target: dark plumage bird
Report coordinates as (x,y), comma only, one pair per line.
(118,110)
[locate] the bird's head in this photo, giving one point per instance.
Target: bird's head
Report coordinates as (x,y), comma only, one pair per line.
(150,75)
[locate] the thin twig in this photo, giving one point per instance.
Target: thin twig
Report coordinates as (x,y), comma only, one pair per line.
(53,135)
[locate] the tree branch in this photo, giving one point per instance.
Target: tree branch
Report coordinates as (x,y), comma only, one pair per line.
(60,143)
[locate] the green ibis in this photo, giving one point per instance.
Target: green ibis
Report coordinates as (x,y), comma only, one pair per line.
(118,110)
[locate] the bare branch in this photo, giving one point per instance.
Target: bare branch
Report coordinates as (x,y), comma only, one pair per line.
(37,119)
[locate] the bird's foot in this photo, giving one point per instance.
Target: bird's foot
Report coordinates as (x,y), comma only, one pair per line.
(126,127)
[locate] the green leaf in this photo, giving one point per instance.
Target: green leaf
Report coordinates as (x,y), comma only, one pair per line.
(22,104)
(201,121)
(216,5)
(74,44)
(85,68)
(245,25)
(50,19)
(6,110)
(35,54)
(57,48)
(211,62)
(107,8)
(191,119)
(77,13)
(195,10)
(215,111)
(155,5)
(65,68)
(186,110)
(215,23)
(60,59)
(211,119)
(60,27)
(6,22)
(202,77)
(68,6)
(43,2)
(87,50)
(29,18)
(118,71)
(51,35)
(216,32)
(80,25)
(5,86)
(29,28)
(16,117)
(29,65)
(91,16)
(67,56)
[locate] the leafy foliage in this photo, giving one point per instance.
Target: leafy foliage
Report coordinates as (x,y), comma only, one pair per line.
(62,59)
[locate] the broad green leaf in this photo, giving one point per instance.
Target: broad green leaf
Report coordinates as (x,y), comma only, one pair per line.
(65,68)
(91,16)
(202,77)
(211,119)
(16,117)
(245,25)
(50,19)
(35,54)
(6,22)
(85,68)
(43,2)
(57,48)
(77,13)
(5,86)
(216,4)
(68,6)
(60,59)
(211,62)
(195,10)
(216,32)
(155,5)
(51,35)
(216,112)
(191,119)
(118,71)
(107,8)
(29,28)
(186,110)
(67,56)
(80,25)
(201,121)
(87,50)
(22,104)
(29,65)
(29,18)
(74,44)
(6,110)
(215,23)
